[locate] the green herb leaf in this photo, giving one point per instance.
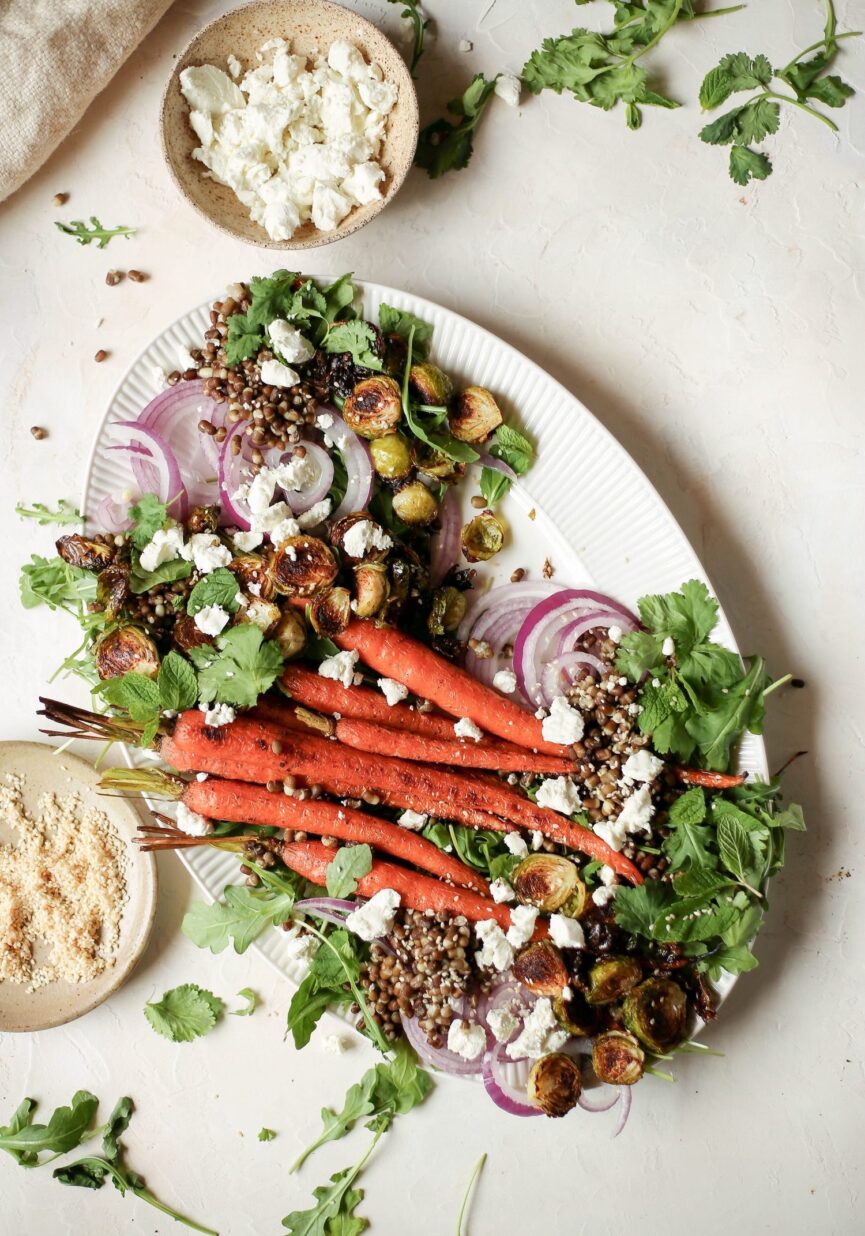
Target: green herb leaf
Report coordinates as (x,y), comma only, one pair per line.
(347,866)
(239,919)
(166,573)
(513,448)
(735,848)
(176,683)
(184,1013)
(133,693)
(689,808)
(86,235)
(413,13)
(245,339)
(244,667)
(494,485)
(247,994)
(66,1129)
(357,338)
(266,1135)
(399,322)
(149,515)
(64,514)
(747,165)
(220,588)
(446,146)
(636,909)
(53,582)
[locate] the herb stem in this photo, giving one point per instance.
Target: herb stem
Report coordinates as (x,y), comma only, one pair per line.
(476,1171)
(371,1024)
(147,1196)
(733,8)
(779,682)
(786,98)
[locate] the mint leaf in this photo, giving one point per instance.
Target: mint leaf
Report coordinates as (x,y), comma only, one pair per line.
(513,448)
(176,683)
(220,587)
(494,485)
(345,869)
(735,848)
(184,1013)
(689,808)
(133,693)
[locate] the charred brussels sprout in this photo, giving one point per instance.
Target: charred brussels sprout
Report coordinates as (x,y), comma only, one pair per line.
(187,636)
(330,611)
(252,569)
(391,456)
(617,1058)
(542,969)
(203,519)
(374,407)
(545,880)
(448,609)
(432,462)
(612,978)
(474,415)
(554,1084)
(262,614)
(414,504)
(80,551)
(126,650)
(112,589)
(482,537)
(290,634)
(301,565)
(656,1013)
(371,588)
(430,385)
(574,1015)
(367,538)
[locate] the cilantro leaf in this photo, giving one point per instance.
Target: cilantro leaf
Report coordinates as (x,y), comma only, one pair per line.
(729,711)
(239,919)
(757,120)
(399,322)
(636,909)
(149,515)
(247,994)
(184,1013)
(345,869)
(64,514)
(220,588)
(747,165)
(446,146)
(245,339)
(245,666)
(357,338)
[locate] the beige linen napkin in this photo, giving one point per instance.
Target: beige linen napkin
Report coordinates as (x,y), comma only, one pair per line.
(57,55)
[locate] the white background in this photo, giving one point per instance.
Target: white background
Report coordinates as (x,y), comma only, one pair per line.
(718,332)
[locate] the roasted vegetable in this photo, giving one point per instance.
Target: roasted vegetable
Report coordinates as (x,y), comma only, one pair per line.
(432,462)
(542,969)
(554,1084)
(482,537)
(391,457)
(252,569)
(112,589)
(547,881)
(80,551)
(371,588)
(414,504)
(612,978)
(330,611)
(430,385)
(126,650)
(302,564)
(372,533)
(203,519)
(374,407)
(617,1058)
(186,634)
(474,415)
(447,611)
(575,1015)
(656,1013)
(262,614)
(290,634)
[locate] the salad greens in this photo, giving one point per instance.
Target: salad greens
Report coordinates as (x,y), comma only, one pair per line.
(413,12)
(475,1172)
(238,919)
(290,296)
(248,995)
(86,235)
(64,514)
(245,666)
(184,1013)
(446,145)
(512,448)
(348,865)
(266,1135)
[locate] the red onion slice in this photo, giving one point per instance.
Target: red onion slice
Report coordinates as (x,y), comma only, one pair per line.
(510,1098)
(439,1057)
(358,466)
(445,543)
(230,476)
(625,1110)
(111,516)
(154,465)
(301,500)
(497,465)
(174,414)
(606,1104)
(503,599)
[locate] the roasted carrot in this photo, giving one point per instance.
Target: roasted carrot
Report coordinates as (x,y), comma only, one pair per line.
(431,677)
(709,780)
(418,892)
(504,756)
(251,804)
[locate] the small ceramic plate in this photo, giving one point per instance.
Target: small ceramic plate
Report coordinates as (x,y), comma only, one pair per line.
(42,771)
(310,26)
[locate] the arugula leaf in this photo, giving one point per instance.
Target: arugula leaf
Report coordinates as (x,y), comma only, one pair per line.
(513,448)
(57,584)
(266,1135)
(399,322)
(357,338)
(335,1205)
(247,994)
(347,866)
(64,514)
(184,1013)
(66,1128)
(86,235)
(149,515)
(239,919)
(307,1005)
(245,666)
(419,422)
(220,587)
(494,485)
(445,145)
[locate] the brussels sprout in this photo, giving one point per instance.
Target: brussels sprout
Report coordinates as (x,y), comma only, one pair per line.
(430,384)
(373,531)
(545,880)
(290,634)
(448,609)
(252,569)
(432,462)
(414,504)
(112,589)
(330,611)
(541,968)
(80,551)
(262,614)
(611,978)
(482,537)
(474,415)
(554,1084)
(391,457)
(374,407)
(302,564)
(187,636)
(617,1058)
(574,1015)
(126,650)
(203,519)
(371,588)
(656,1012)
(578,902)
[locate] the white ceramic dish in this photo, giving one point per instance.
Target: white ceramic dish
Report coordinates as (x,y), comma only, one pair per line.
(598,518)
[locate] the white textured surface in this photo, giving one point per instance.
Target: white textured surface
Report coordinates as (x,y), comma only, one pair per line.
(718,334)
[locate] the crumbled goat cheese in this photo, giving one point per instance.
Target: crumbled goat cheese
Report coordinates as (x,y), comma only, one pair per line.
(537,839)
(296,473)
(413,820)
(609,831)
(523,919)
(564,725)
(607,876)
(559,794)
(272,516)
(212,619)
(615,634)
(201,776)
(166,545)
(191,823)
(259,492)
(284,531)
(375,918)
(502,891)
(637,812)
(234,66)
(466,728)
(516,844)
(567,992)
(566,932)
(208,552)
(300,947)
(601,896)
(292,346)
(334,1044)
(274,373)
(316,514)
(339,667)
(392,690)
(641,766)
(505,681)
(246,542)
(495,953)
(502,1023)
(324,420)
(217,714)
(466,1039)
(668,647)
(508,88)
(363,536)
(540,1035)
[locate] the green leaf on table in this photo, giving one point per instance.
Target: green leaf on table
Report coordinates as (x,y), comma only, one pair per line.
(247,994)
(239,919)
(747,165)
(244,666)
(220,588)
(445,145)
(346,868)
(95,232)
(64,514)
(67,1126)
(184,1013)
(266,1135)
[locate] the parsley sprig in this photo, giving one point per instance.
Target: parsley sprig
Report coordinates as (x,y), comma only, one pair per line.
(447,145)
(413,12)
(95,232)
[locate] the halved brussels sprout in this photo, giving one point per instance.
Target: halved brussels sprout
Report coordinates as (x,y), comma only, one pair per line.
(186,634)
(432,462)
(374,407)
(302,564)
(430,384)
(482,537)
(617,1058)
(545,880)
(474,415)
(611,978)
(574,1015)
(372,531)
(262,614)
(252,569)
(414,504)
(112,589)
(126,650)
(448,609)
(80,551)
(330,611)
(203,519)
(541,968)
(554,1084)
(391,457)
(656,1013)
(371,588)
(290,633)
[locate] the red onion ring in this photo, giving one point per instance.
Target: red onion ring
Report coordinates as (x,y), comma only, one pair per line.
(445,543)
(503,599)
(509,1098)
(625,1111)
(551,677)
(358,466)
(229,475)
(605,1104)
(154,465)
(439,1057)
(111,516)
(174,414)
(301,500)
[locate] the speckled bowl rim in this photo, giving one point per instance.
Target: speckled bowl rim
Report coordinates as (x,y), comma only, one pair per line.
(353,223)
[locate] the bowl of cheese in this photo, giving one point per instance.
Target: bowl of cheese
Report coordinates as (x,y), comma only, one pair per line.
(289,123)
